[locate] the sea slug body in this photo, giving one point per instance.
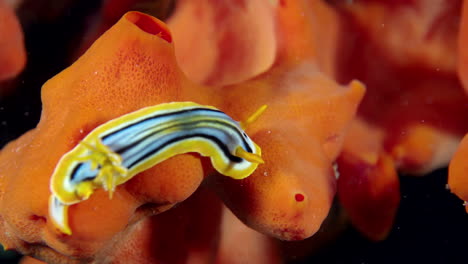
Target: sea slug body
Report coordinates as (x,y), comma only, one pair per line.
(116,151)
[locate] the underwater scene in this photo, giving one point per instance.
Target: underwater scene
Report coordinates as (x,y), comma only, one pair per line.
(233,131)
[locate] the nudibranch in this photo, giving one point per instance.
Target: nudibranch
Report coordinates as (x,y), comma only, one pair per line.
(119,149)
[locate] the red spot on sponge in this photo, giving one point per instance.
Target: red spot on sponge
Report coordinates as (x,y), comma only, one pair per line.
(299,197)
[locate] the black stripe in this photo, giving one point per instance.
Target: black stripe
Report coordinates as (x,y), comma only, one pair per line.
(176,139)
(163,115)
(75,170)
(90,178)
(187,124)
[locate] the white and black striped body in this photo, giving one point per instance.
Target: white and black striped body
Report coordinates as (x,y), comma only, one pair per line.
(116,151)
